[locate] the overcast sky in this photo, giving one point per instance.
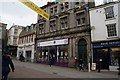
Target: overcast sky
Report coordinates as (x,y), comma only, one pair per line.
(13,11)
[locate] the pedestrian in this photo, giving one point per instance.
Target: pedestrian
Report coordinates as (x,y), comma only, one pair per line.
(75,62)
(6,64)
(22,58)
(99,64)
(81,64)
(50,61)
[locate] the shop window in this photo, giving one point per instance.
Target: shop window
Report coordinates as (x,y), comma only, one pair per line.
(63,54)
(114,56)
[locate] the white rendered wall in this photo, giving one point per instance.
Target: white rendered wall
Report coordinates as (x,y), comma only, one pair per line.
(98,24)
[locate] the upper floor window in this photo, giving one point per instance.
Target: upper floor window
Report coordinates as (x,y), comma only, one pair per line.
(16,31)
(109,12)
(52,25)
(62,7)
(63,22)
(51,11)
(77,3)
(66,5)
(55,9)
(82,2)
(80,18)
(111,30)
(14,39)
(41,28)
(27,29)
(31,38)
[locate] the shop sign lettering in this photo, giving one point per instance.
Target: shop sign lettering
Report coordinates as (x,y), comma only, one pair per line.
(106,44)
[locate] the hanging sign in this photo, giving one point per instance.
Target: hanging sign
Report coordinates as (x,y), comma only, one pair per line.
(35,8)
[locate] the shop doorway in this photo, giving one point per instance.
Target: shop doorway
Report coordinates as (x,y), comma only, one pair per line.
(53,54)
(82,51)
(28,55)
(105,56)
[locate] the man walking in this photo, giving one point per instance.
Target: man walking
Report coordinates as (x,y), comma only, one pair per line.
(6,62)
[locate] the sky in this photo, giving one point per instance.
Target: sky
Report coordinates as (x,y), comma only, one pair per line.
(14,12)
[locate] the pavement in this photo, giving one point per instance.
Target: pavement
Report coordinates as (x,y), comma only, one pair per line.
(36,70)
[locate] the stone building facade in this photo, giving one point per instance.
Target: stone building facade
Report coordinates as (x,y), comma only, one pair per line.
(26,43)
(3,37)
(65,35)
(13,37)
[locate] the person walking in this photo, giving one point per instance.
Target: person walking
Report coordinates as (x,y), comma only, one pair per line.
(6,64)
(50,61)
(22,58)
(81,64)
(99,64)
(75,62)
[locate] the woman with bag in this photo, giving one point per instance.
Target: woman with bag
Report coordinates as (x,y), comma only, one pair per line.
(75,62)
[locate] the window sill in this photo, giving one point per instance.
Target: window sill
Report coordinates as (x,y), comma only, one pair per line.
(110,19)
(113,37)
(81,25)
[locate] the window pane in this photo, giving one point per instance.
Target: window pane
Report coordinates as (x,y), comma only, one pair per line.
(111,29)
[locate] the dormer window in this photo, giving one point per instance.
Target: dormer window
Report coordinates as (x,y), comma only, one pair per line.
(32,26)
(27,29)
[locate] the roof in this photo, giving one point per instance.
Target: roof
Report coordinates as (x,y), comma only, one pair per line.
(107,4)
(17,26)
(30,30)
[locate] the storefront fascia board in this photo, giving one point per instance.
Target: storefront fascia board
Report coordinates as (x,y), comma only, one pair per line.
(107,44)
(53,42)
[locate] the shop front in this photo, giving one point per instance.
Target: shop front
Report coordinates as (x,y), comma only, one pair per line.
(108,52)
(55,49)
(27,51)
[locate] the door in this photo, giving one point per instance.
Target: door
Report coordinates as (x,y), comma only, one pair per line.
(105,56)
(82,51)
(28,55)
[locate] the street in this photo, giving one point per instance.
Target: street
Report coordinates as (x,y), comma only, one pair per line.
(33,70)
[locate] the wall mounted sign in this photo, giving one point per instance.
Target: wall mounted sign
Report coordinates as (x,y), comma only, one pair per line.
(107,44)
(53,42)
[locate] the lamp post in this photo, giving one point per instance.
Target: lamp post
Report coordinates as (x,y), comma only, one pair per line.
(119,64)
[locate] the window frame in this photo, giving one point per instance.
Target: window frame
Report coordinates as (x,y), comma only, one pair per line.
(114,32)
(109,16)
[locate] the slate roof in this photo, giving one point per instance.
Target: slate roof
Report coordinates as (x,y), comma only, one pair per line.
(30,30)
